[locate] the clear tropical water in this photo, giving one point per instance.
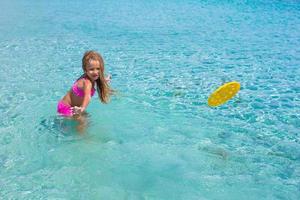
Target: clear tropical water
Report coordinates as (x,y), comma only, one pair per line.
(157,139)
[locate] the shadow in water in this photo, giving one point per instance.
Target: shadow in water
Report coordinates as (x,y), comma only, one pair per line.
(74,129)
(214,150)
(67,128)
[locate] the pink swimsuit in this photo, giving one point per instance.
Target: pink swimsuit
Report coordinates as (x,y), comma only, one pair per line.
(65,109)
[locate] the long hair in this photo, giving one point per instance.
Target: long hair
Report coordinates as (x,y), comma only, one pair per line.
(104,91)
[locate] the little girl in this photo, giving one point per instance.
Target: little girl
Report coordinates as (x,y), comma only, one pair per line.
(79,96)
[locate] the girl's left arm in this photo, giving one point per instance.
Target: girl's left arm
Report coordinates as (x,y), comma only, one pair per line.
(108,78)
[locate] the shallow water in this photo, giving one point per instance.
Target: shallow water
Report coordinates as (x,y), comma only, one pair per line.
(157,139)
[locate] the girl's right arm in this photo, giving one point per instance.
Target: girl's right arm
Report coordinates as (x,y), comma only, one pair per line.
(86,98)
(87,94)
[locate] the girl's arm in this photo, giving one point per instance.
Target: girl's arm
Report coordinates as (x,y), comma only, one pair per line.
(87,85)
(87,94)
(108,78)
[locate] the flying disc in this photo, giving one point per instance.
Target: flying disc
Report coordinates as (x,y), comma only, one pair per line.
(223,93)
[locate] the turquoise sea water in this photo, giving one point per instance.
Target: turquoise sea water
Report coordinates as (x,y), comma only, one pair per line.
(157,139)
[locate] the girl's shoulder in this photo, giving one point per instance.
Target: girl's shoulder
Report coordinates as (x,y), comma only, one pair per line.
(83,82)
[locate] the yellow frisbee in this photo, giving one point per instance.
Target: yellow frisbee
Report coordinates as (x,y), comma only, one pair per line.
(223,93)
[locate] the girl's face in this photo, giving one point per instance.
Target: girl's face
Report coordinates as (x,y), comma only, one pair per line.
(92,70)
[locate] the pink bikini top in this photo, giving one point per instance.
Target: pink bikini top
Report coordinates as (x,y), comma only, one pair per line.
(79,92)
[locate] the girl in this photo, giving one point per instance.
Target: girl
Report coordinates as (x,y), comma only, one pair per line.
(79,96)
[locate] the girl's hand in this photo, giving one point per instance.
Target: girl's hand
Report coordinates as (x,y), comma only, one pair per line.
(76,110)
(108,78)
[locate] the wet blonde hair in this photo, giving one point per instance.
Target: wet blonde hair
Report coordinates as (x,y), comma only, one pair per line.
(104,91)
